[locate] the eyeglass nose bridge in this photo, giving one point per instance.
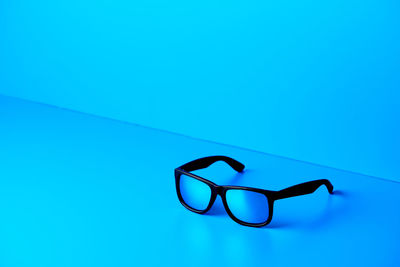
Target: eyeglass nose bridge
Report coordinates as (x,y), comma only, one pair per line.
(219,190)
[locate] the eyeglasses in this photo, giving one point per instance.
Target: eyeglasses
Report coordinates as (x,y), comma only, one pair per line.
(245,205)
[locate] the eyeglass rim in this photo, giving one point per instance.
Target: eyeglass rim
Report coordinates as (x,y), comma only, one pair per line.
(222,190)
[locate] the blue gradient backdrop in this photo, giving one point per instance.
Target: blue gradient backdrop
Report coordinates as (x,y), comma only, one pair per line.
(82,191)
(314,81)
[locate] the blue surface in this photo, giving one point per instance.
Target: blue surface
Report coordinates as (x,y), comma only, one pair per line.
(77,190)
(315,81)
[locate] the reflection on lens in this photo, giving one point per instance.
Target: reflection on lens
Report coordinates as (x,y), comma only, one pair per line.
(248,206)
(195,193)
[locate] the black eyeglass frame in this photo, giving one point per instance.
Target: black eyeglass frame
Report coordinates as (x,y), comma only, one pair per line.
(221,190)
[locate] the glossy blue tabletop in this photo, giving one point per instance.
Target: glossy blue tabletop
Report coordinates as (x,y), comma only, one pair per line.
(79,190)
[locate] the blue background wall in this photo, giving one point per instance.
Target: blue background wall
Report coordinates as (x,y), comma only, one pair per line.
(312,81)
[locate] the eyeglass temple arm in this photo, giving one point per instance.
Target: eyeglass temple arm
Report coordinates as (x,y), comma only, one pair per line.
(207,161)
(304,189)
